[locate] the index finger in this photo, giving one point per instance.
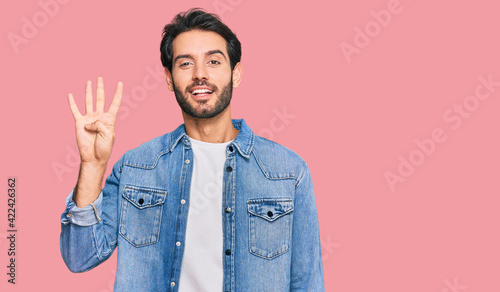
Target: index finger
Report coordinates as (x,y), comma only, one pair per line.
(73,107)
(117,100)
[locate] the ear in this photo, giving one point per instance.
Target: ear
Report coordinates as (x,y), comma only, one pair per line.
(237,73)
(168,77)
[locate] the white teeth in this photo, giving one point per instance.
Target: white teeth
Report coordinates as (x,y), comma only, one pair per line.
(201,91)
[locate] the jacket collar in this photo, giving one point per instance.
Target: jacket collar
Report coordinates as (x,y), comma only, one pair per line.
(244,141)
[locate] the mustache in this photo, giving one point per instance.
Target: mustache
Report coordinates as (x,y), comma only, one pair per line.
(202,83)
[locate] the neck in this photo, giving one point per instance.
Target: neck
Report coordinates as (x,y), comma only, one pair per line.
(218,129)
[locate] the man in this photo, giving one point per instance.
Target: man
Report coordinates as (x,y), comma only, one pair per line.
(208,207)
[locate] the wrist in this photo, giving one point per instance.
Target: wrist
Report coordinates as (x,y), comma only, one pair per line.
(94,165)
(89,183)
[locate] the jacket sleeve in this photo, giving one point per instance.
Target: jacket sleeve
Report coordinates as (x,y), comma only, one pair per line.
(307,265)
(89,234)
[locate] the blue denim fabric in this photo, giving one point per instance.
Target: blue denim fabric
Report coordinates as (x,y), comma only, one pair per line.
(270,224)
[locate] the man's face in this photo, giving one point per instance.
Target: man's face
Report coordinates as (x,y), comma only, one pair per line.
(201,76)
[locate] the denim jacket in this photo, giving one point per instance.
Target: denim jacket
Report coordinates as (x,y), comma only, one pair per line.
(270,224)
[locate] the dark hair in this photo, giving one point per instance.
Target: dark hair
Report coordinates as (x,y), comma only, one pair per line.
(196,18)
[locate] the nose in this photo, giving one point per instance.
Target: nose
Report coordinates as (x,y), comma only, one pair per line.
(199,72)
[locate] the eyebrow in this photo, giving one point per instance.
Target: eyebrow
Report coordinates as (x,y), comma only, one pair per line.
(212,52)
(215,52)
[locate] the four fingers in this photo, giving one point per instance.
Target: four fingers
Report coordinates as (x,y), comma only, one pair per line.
(100,100)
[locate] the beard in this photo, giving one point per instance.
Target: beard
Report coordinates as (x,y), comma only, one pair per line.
(200,110)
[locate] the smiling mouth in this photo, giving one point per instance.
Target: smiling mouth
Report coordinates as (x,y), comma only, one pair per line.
(202,92)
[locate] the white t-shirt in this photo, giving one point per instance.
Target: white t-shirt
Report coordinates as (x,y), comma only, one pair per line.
(202,261)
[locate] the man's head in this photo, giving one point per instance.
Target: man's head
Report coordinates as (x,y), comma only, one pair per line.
(201,56)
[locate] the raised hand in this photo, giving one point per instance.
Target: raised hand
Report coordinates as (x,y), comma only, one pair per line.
(95,131)
(95,136)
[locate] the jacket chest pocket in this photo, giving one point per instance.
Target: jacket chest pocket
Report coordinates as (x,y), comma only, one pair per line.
(140,217)
(270,225)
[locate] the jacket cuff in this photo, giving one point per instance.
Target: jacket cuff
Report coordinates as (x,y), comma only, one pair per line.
(86,216)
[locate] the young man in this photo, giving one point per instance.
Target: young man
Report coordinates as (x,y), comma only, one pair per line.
(208,207)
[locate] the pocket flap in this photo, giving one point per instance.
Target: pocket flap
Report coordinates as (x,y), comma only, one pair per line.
(270,209)
(144,197)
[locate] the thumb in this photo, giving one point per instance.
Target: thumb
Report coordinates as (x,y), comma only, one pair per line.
(97,126)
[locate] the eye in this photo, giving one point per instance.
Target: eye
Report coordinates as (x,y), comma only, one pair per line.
(214,62)
(184,64)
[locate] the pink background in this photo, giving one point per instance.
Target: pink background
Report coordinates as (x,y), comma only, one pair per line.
(353,118)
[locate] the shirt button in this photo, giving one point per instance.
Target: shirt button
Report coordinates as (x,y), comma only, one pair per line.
(178,243)
(229,169)
(141,200)
(183,201)
(187,161)
(231,148)
(68,215)
(228,252)
(172,284)
(227,209)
